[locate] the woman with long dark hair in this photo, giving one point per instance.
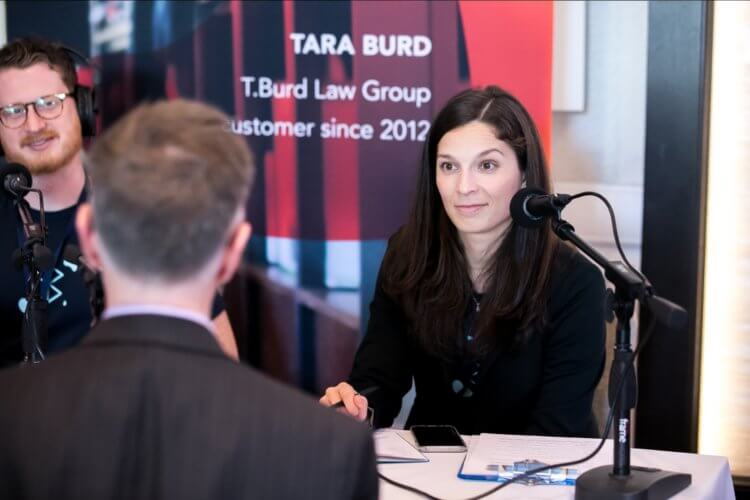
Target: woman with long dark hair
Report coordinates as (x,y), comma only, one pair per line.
(500,327)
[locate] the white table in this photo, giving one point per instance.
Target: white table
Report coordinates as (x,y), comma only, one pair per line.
(711,476)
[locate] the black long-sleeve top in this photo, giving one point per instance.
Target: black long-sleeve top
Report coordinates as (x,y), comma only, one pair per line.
(545,387)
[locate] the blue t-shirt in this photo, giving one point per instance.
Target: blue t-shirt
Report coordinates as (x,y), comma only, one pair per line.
(68,311)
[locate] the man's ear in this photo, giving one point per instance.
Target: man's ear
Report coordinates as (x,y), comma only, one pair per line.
(233,251)
(86,236)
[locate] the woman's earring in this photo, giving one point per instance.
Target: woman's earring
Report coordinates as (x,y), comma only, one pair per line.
(523,184)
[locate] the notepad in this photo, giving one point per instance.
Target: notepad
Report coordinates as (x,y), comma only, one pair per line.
(491,457)
(391,448)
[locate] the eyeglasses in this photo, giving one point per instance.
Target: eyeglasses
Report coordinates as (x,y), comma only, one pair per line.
(47,107)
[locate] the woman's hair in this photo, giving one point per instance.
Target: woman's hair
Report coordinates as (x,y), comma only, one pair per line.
(425,268)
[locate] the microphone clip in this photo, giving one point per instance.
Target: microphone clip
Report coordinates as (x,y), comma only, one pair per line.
(529,207)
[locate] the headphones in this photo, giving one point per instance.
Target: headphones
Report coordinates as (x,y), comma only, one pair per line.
(85,97)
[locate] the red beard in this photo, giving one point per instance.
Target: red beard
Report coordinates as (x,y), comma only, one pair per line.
(49,161)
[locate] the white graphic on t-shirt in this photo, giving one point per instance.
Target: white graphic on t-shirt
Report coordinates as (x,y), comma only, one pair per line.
(53,289)
(53,293)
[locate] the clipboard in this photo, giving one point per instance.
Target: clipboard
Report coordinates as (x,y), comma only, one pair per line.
(503,473)
(478,465)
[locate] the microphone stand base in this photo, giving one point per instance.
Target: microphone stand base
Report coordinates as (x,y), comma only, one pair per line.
(643,483)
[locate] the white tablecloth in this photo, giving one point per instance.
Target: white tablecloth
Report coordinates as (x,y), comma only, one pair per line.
(711,476)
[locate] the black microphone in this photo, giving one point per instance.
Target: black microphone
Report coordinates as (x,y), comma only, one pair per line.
(41,255)
(16,179)
(72,253)
(667,312)
(530,206)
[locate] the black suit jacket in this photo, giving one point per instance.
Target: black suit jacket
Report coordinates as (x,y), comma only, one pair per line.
(544,387)
(149,407)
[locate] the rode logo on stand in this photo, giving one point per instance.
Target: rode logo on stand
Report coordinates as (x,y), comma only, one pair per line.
(622,436)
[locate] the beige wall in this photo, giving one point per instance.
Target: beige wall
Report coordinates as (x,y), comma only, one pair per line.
(602,148)
(605,143)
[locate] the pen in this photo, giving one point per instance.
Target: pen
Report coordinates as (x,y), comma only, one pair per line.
(364,392)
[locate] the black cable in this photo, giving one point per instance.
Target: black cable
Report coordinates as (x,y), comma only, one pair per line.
(610,415)
(407,487)
(615,233)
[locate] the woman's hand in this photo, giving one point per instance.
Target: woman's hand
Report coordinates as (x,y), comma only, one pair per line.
(355,405)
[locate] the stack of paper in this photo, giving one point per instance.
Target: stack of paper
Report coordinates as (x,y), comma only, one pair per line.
(390,447)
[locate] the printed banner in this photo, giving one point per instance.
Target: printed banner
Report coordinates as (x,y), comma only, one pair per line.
(334,98)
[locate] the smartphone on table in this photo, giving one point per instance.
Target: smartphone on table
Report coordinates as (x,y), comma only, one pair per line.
(438,438)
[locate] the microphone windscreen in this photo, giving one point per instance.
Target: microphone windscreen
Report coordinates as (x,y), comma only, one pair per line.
(43,258)
(15,169)
(668,313)
(518,211)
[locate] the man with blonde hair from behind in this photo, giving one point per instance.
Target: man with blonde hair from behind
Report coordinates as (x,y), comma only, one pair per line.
(148,406)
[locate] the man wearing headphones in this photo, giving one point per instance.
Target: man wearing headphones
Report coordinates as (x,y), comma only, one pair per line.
(44,114)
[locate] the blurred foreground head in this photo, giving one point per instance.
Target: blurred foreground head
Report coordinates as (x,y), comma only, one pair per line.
(169,183)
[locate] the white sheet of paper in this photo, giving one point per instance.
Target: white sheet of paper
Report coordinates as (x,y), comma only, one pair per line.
(391,447)
(504,449)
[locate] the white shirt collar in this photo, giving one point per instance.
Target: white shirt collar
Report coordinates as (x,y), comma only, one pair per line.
(159,310)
